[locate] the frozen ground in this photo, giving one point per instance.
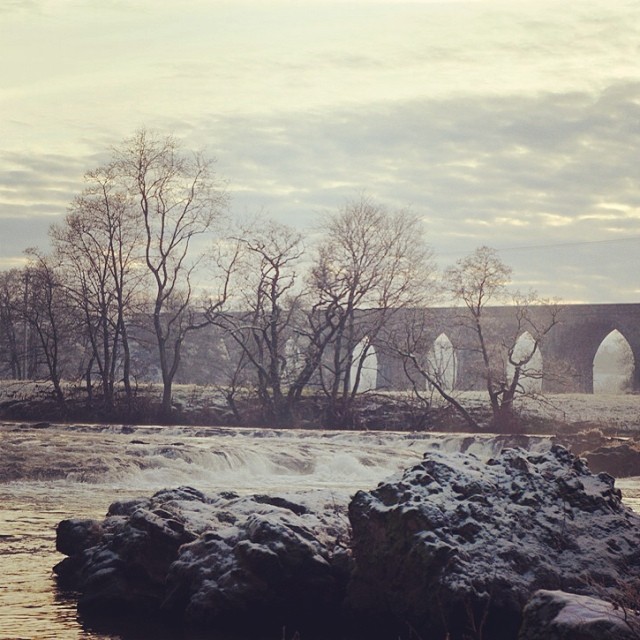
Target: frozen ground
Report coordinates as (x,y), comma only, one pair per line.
(615,412)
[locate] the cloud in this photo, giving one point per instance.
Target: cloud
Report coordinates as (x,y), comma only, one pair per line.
(19,234)
(515,126)
(558,167)
(21,6)
(480,170)
(551,154)
(37,186)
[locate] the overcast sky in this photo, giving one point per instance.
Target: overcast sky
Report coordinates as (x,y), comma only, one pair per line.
(513,124)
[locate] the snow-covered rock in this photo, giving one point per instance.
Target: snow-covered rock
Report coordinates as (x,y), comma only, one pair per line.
(268,558)
(211,559)
(555,615)
(458,545)
(454,545)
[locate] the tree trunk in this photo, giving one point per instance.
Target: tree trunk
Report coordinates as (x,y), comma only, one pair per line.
(165,407)
(126,367)
(505,420)
(89,383)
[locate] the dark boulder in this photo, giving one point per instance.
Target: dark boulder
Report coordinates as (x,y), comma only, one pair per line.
(457,546)
(275,563)
(75,535)
(453,547)
(213,560)
(621,461)
(124,568)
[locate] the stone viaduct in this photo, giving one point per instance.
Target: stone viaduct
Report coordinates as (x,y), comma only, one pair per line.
(571,345)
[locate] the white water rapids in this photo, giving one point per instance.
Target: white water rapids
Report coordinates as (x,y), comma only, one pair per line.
(49,473)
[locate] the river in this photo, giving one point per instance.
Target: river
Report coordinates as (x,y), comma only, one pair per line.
(52,472)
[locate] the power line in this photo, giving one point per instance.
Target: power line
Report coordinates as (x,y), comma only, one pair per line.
(555,245)
(570,244)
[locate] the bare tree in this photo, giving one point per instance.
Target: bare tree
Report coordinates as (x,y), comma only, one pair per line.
(99,244)
(263,321)
(476,281)
(412,341)
(50,317)
(176,201)
(370,264)
(17,356)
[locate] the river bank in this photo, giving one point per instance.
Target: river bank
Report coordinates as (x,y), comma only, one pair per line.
(200,405)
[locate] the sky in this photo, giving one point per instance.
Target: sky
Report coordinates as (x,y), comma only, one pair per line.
(509,124)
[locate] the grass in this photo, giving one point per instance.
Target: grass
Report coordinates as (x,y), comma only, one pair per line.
(609,414)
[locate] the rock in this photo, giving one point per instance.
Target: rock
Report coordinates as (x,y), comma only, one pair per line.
(125,569)
(621,461)
(75,535)
(455,543)
(212,560)
(455,546)
(554,615)
(275,562)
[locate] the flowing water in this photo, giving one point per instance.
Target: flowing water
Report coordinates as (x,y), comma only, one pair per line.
(48,473)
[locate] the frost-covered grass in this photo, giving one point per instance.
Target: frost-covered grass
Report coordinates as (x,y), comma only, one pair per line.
(613,413)
(619,412)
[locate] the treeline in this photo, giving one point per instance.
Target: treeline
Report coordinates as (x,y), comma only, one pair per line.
(149,253)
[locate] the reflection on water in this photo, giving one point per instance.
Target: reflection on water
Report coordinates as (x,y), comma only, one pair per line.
(29,604)
(123,465)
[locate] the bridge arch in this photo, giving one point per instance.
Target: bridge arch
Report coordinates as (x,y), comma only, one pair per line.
(568,349)
(293,360)
(574,342)
(365,359)
(613,364)
(442,362)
